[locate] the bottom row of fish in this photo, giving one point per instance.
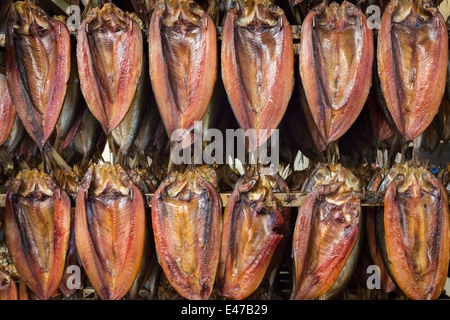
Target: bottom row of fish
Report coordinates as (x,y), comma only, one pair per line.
(55,224)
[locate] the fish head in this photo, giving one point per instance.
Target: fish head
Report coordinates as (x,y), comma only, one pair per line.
(327,174)
(176,11)
(108,18)
(415,180)
(68,180)
(412,12)
(26,14)
(209,174)
(257,13)
(33,183)
(337,17)
(191,180)
(107,179)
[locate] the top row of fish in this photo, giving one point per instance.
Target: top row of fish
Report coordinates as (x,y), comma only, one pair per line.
(257,65)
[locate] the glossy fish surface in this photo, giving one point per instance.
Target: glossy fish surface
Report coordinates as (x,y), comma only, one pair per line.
(187,224)
(252,230)
(325,244)
(69,181)
(7,111)
(375,252)
(38,68)
(183,63)
(37,228)
(109,229)
(336,56)
(109,54)
(415,229)
(412,63)
(257,65)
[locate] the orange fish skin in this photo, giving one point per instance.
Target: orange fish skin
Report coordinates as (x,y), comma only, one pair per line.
(412,63)
(336,51)
(110,229)
(183,63)
(187,225)
(38,68)
(109,55)
(258,66)
(417,233)
(37,228)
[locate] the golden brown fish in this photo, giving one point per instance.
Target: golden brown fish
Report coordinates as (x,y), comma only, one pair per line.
(7,111)
(8,288)
(257,65)
(252,231)
(37,228)
(83,139)
(414,233)
(109,54)
(336,55)
(38,68)
(375,252)
(109,229)
(149,264)
(381,127)
(326,240)
(183,63)
(412,63)
(69,181)
(72,102)
(128,129)
(187,224)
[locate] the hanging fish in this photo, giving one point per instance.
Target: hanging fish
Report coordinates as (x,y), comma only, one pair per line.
(336,55)
(16,136)
(127,131)
(375,252)
(110,229)
(441,123)
(257,65)
(69,181)
(37,228)
(301,124)
(82,139)
(187,224)
(412,59)
(381,127)
(150,122)
(414,233)
(382,123)
(8,288)
(326,239)
(38,68)
(252,232)
(183,63)
(7,111)
(72,103)
(149,265)
(109,54)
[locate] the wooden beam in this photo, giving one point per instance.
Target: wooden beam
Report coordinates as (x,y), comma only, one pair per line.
(368,199)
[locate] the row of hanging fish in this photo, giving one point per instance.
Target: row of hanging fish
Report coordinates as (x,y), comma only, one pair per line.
(64,97)
(335,67)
